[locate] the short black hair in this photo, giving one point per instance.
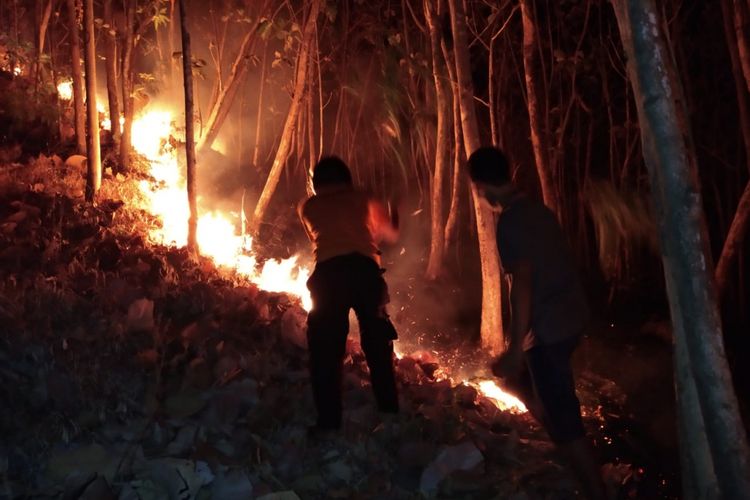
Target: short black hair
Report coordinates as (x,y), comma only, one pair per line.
(331,170)
(489,165)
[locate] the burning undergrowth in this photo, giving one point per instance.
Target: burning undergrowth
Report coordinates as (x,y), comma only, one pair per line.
(130,369)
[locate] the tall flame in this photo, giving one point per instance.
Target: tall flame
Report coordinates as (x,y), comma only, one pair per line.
(217,237)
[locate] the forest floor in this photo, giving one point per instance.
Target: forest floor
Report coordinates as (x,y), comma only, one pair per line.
(133,371)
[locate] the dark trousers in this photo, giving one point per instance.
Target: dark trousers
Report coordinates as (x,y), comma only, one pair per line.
(338,284)
(548,386)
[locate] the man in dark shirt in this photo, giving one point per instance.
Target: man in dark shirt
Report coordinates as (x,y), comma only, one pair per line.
(548,311)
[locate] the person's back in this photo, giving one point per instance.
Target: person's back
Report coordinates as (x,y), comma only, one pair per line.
(338,222)
(344,226)
(528,230)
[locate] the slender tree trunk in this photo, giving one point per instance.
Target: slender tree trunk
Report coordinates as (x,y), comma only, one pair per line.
(733,242)
(539,135)
(457,185)
(689,275)
(127,84)
(737,46)
(94,174)
(77,73)
(286,136)
(187,76)
(742,34)
(44,23)
(110,65)
(225,97)
(435,261)
(259,116)
(170,43)
(492,325)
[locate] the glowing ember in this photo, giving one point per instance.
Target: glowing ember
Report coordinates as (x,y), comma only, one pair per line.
(17,70)
(65,90)
(217,237)
(503,400)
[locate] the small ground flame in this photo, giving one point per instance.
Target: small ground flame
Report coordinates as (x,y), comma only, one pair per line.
(503,400)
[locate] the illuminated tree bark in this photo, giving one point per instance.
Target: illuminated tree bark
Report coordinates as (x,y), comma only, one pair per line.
(127,83)
(225,98)
(457,183)
(492,325)
(303,62)
(435,261)
(94,172)
(42,35)
(187,76)
(110,66)
(539,136)
(690,282)
(77,74)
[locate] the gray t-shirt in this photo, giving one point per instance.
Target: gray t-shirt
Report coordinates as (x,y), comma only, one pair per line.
(528,231)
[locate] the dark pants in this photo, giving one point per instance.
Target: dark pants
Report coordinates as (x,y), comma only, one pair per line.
(338,284)
(548,386)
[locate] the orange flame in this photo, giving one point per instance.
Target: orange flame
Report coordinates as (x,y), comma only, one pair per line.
(217,237)
(503,400)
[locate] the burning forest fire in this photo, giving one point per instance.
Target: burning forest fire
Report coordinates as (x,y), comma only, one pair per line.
(217,236)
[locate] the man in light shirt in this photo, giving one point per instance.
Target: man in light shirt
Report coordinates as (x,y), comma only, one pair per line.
(345,226)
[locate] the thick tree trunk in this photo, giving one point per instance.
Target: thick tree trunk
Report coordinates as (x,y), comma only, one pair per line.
(127,84)
(437,233)
(286,136)
(110,66)
(492,325)
(539,135)
(684,240)
(225,97)
(187,76)
(77,74)
(94,172)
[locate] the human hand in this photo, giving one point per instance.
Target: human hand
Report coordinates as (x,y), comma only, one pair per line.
(508,364)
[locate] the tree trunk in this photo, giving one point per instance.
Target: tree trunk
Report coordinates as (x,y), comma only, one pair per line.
(685,247)
(77,74)
(741,26)
(127,84)
(259,115)
(110,66)
(492,325)
(94,171)
(733,242)
(539,135)
(697,467)
(737,46)
(187,76)
(43,24)
(457,185)
(437,238)
(225,97)
(286,136)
